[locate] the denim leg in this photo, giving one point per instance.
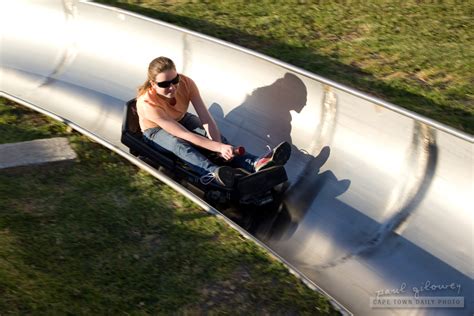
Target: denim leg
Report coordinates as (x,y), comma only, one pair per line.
(246,161)
(161,139)
(192,123)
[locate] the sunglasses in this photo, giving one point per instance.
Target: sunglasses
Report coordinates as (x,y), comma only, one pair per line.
(167,84)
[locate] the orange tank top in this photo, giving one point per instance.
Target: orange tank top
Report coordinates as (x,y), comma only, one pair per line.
(150,101)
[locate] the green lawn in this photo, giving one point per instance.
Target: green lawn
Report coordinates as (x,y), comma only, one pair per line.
(113,240)
(101,237)
(416,54)
(18,124)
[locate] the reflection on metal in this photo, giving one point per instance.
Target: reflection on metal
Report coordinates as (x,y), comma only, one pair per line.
(70,49)
(419,170)
(414,182)
(323,135)
(378,196)
(328,120)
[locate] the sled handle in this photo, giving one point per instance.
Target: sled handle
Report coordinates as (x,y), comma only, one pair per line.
(239,151)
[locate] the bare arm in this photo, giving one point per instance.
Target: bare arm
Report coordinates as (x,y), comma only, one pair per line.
(206,118)
(177,130)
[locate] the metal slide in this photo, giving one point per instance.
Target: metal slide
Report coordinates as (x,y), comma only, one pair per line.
(379,196)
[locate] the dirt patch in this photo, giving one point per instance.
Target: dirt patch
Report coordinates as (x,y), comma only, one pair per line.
(395,75)
(433,77)
(230,292)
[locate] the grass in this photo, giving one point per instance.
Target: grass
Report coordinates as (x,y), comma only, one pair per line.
(18,124)
(416,54)
(101,237)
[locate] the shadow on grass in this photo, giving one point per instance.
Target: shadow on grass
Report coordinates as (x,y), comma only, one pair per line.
(100,238)
(307,59)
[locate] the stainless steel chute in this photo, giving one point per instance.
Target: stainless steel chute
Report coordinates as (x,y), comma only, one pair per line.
(379,196)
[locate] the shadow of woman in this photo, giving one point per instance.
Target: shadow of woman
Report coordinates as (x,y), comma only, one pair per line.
(264,118)
(265,114)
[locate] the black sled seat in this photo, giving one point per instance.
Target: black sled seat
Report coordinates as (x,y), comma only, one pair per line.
(132,137)
(256,188)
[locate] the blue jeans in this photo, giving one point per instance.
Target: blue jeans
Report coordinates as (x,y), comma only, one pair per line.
(162,140)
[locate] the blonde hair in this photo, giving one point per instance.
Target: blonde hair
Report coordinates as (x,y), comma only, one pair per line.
(156,66)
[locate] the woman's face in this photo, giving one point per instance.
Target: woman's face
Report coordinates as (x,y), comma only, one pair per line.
(165,79)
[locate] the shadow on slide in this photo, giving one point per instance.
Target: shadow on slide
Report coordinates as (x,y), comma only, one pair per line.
(266,116)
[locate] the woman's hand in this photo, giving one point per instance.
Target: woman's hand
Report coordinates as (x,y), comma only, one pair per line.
(226,151)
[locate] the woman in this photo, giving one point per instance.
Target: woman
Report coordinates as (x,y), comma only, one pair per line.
(162,105)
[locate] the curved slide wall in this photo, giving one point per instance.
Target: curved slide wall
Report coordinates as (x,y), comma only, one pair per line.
(378,198)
